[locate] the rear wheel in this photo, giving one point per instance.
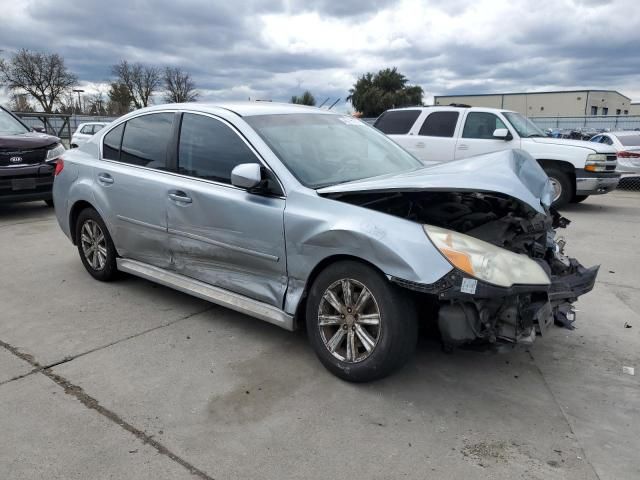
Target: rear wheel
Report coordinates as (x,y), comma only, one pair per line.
(562,186)
(579,198)
(361,327)
(96,249)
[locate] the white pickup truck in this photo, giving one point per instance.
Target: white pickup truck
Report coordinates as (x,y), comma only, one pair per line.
(576,168)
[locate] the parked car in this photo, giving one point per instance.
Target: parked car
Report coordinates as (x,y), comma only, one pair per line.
(627,144)
(576,168)
(84,132)
(27,161)
(298,215)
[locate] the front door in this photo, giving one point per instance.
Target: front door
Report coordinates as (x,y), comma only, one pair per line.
(477,135)
(220,234)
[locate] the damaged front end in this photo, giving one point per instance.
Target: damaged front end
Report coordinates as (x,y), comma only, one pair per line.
(498,298)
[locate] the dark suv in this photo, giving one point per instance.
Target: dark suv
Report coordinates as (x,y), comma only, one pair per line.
(27,161)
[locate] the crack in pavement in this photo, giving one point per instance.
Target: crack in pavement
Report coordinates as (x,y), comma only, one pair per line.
(93,404)
(39,367)
(564,415)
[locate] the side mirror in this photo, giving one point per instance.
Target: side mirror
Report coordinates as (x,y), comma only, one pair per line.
(39,129)
(246,175)
(502,133)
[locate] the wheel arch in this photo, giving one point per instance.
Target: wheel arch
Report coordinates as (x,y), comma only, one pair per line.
(563,166)
(315,271)
(74,212)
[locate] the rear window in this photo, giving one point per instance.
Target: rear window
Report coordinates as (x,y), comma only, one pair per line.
(629,140)
(397,122)
(439,124)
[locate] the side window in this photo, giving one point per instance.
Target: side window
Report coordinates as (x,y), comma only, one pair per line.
(439,124)
(607,140)
(87,129)
(210,149)
(111,143)
(481,125)
(397,122)
(596,139)
(146,139)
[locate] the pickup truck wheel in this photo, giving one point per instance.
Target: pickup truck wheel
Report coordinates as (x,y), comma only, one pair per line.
(579,198)
(562,186)
(361,327)
(96,249)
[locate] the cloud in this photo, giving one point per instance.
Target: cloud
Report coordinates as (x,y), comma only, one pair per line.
(277,48)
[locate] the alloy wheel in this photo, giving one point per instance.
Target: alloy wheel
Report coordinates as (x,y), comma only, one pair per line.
(349,320)
(94,244)
(557,188)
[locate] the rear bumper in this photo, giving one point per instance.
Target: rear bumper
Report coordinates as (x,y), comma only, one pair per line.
(26,184)
(595,183)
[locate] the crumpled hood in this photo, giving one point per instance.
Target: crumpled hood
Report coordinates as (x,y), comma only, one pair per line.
(27,140)
(596,147)
(511,172)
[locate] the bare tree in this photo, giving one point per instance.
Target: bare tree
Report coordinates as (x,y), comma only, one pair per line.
(44,76)
(179,86)
(140,80)
(96,104)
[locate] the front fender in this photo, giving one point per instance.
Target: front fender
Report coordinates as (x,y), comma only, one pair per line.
(318,228)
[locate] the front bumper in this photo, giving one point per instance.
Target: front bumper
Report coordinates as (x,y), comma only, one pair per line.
(595,183)
(473,311)
(26,183)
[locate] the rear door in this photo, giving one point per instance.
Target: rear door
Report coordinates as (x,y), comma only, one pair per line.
(435,138)
(220,234)
(398,125)
(477,137)
(132,182)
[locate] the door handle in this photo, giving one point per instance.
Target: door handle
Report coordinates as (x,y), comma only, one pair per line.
(180,197)
(105,178)
(463,147)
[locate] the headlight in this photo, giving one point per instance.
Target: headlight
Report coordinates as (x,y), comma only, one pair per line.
(55,152)
(596,162)
(485,261)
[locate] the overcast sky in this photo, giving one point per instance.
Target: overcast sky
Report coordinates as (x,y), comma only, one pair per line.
(272,49)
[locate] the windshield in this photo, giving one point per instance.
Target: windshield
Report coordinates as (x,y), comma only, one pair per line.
(525,127)
(9,125)
(322,150)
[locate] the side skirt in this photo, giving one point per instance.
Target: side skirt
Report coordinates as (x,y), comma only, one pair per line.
(216,295)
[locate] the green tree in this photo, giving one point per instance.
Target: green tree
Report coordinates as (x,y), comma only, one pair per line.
(119,99)
(373,93)
(305,99)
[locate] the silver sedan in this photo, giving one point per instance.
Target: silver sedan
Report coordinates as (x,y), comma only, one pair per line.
(297,215)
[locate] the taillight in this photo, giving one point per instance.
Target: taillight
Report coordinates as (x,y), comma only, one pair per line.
(59,167)
(625,154)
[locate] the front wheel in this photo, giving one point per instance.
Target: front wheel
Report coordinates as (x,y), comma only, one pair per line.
(361,327)
(96,249)
(562,186)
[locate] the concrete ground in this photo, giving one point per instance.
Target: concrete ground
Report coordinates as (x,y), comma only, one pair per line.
(133,380)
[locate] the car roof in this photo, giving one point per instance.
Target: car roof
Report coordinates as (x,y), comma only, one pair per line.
(243,109)
(623,133)
(449,107)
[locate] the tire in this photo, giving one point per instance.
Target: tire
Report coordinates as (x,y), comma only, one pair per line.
(49,203)
(92,231)
(579,198)
(383,347)
(561,181)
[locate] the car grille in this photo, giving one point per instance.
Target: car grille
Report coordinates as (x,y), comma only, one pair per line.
(28,157)
(611,166)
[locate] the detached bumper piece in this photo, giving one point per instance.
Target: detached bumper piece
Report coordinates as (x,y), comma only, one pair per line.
(474,312)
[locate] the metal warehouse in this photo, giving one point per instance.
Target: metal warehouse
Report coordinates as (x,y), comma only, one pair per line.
(545,104)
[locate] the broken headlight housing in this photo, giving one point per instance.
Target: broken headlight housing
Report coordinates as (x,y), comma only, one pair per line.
(485,261)
(56,151)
